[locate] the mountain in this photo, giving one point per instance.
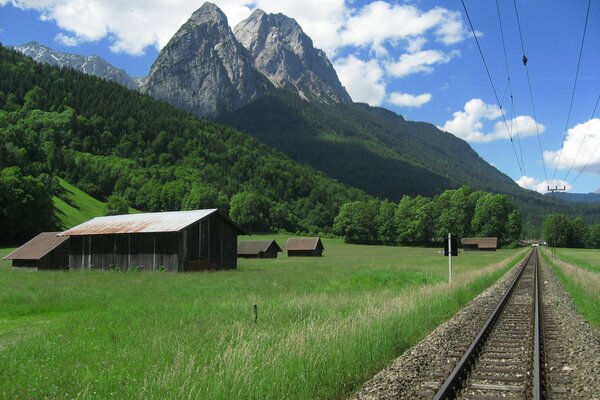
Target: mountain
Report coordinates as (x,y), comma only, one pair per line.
(92,65)
(286,55)
(578,197)
(204,69)
(368,147)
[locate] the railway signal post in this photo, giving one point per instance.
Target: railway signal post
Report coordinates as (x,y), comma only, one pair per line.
(450,249)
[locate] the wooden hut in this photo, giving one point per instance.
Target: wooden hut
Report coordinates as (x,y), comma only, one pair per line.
(484,243)
(258,249)
(304,247)
(45,251)
(175,241)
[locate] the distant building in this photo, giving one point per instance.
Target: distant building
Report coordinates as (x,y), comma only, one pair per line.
(304,247)
(175,241)
(45,251)
(484,243)
(258,249)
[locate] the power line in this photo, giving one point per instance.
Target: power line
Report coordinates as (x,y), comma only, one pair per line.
(595,150)
(574,86)
(537,130)
(513,112)
(493,87)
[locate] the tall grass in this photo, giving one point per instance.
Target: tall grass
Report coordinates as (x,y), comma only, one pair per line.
(582,283)
(324,325)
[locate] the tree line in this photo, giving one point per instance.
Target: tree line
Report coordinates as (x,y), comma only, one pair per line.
(560,231)
(421,220)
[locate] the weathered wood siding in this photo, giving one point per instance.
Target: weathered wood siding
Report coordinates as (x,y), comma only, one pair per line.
(305,253)
(55,259)
(148,251)
(210,243)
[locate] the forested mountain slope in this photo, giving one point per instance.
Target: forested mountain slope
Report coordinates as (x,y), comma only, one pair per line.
(376,150)
(368,147)
(105,139)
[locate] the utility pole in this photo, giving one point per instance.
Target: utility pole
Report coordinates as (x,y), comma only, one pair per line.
(553,190)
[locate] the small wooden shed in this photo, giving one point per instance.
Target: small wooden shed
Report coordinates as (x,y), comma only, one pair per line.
(176,241)
(45,251)
(483,243)
(304,247)
(258,249)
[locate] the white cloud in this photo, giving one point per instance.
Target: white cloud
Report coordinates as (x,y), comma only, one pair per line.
(530,183)
(581,147)
(380,21)
(67,40)
(469,124)
(409,100)
(421,61)
(332,24)
(362,79)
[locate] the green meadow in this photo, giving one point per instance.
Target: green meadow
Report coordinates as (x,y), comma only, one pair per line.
(324,325)
(579,272)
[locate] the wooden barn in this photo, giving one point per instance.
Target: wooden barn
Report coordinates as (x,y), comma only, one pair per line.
(175,241)
(484,243)
(258,249)
(45,251)
(304,247)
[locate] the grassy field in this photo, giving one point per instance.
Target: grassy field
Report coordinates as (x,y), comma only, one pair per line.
(584,258)
(579,272)
(324,324)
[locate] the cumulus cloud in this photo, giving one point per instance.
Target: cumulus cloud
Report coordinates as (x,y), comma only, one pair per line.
(530,183)
(409,100)
(66,40)
(380,21)
(363,79)
(420,61)
(581,148)
(469,123)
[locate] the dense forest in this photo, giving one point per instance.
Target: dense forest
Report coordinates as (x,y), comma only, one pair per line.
(109,140)
(421,220)
(376,150)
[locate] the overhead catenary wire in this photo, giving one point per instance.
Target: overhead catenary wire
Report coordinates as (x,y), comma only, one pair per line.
(593,152)
(493,87)
(513,113)
(537,129)
(574,86)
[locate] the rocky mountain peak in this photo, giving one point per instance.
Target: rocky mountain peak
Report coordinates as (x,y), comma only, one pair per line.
(203,68)
(93,65)
(286,55)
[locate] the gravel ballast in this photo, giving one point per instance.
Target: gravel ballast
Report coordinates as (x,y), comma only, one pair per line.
(573,368)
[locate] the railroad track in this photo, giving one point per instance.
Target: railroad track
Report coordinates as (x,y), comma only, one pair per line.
(504,359)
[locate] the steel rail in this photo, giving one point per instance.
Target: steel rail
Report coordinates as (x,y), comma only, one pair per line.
(454,381)
(537,349)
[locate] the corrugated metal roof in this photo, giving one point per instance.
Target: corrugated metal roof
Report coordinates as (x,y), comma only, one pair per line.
(38,247)
(172,221)
(303,243)
(248,247)
(482,243)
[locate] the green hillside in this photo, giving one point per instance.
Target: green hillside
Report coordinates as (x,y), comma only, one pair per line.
(72,206)
(368,147)
(106,139)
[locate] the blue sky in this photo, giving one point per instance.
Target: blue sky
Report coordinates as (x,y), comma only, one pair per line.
(417,58)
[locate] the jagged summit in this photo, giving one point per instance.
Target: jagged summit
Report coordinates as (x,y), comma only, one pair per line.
(286,55)
(203,68)
(93,65)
